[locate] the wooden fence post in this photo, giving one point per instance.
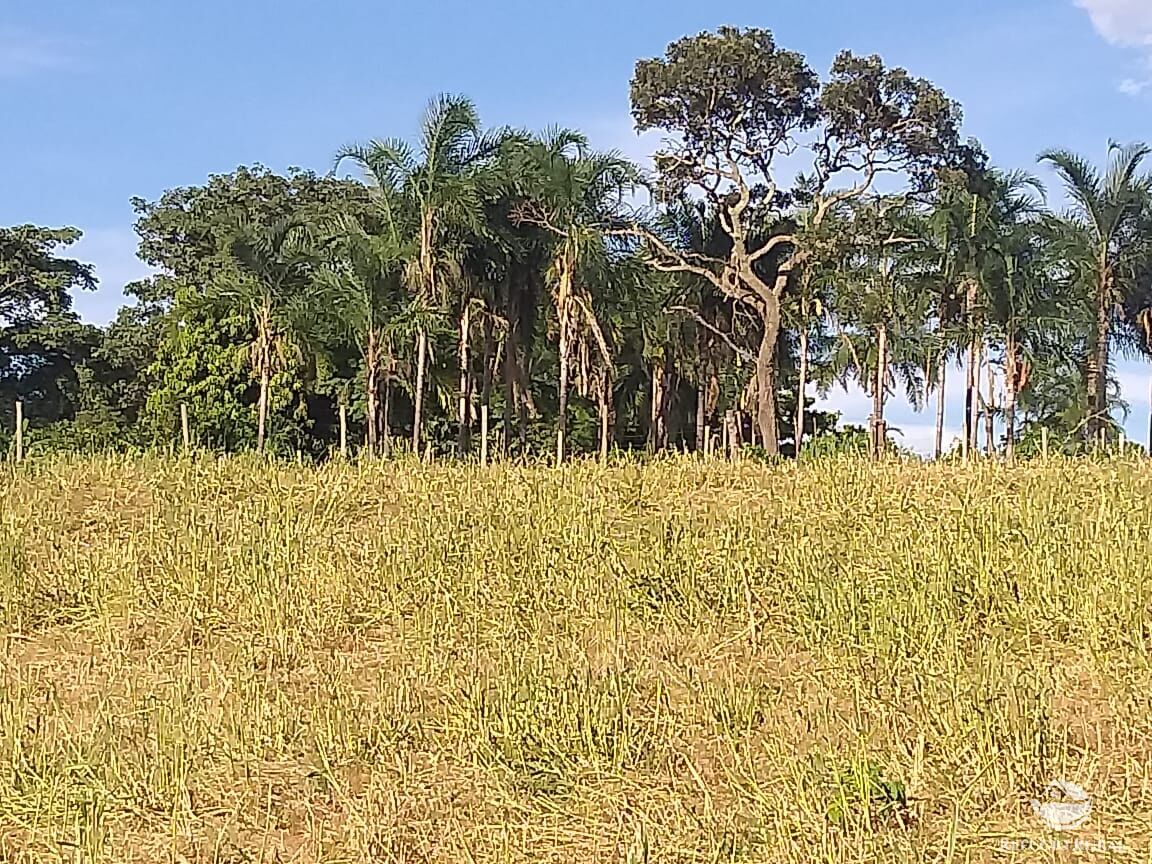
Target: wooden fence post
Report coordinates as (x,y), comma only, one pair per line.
(344,431)
(483,434)
(1044,441)
(185,428)
(19,431)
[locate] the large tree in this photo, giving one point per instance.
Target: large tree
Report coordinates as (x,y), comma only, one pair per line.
(883,303)
(979,221)
(277,288)
(361,280)
(42,341)
(578,196)
(1102,241)
(735,104)
(442,185)
(189,235)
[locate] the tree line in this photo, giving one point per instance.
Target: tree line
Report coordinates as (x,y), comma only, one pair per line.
(797,233)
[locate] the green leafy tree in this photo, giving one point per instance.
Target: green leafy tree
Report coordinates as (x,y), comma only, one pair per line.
(1103,245)
(578,196)
(276,263)
(204,355)
(985,228)
(883,303)
(363,291)
(735,104)
(43,344)
(441,184)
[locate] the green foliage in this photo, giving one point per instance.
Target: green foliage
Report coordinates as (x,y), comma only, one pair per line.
(202,361)
(44,347)
(544,295)
(848,441)
(1107,255)
(732,87)
(864,794)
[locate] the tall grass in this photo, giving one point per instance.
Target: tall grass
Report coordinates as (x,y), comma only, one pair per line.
(227,661)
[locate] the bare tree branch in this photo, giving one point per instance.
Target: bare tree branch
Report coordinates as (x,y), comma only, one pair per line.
(740,352)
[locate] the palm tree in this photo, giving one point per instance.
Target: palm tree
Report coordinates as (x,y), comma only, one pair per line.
(884,304)
(807,304)
(363,282)
(1031,312)
(440,186)
(509,263)
(274,263)
(1100,234)
(579,197)
(971,225)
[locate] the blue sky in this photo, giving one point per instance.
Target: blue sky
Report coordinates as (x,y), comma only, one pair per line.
(107,100)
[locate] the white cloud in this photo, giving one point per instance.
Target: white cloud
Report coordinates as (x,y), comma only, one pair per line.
(1125,23)
(1133,87)
(1121,22)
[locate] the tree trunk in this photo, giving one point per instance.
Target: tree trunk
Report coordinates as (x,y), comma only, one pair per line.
(185,428)
(418,406)
(428,266)
(766,379)
(970,407)
(562,395)
(801,390)
(1011,383)
(462,417)
(262,408)
(372,390)
(969,380)
(510,404)
(385,419)
(489,372)
(605,400)
(343,431)
(990,405)
(1096,367)
(701,410)
(879,391)
(658,414)
(264,369)
(669,386)
(941,377)
(974,419)
(733,435)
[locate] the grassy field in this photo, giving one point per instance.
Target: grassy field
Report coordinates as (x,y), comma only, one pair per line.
(228,662)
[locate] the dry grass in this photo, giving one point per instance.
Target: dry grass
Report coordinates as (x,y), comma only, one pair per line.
(227,662)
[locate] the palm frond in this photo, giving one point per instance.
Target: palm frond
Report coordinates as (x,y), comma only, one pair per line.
(1082,182)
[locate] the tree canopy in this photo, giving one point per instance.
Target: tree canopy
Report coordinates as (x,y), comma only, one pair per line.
(798,232)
